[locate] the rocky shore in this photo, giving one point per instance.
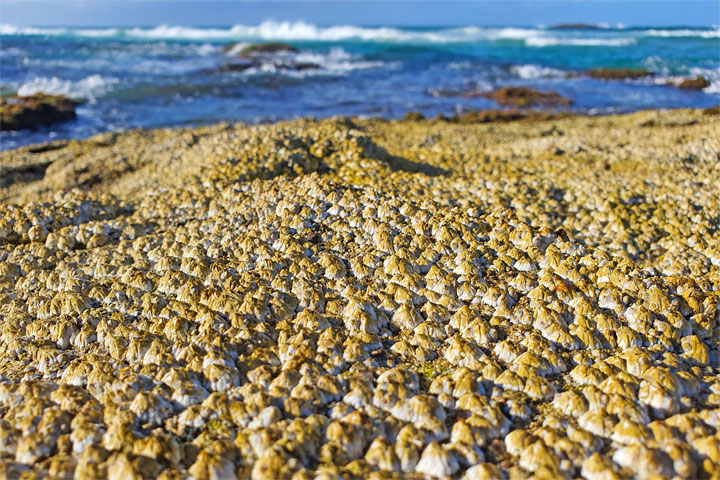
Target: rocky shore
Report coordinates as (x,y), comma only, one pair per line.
(365,299)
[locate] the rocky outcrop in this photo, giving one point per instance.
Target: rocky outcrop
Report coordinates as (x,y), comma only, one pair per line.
(38,110)
(273,55)
(619,73)
(574,26)
(697,83)
(524,97)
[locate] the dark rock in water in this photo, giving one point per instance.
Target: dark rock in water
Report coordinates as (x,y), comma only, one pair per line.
(413,117)
(523,97)
(274,47)
(234,67)
(18,113)
(575,26)
(697,83)
(618,73)
(259,55)
(297,65)
(259,48)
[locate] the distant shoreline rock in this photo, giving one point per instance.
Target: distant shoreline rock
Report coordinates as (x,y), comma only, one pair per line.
(575,26)
(33,111)
(619,73)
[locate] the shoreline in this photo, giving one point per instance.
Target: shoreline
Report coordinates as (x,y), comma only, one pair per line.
(473,116)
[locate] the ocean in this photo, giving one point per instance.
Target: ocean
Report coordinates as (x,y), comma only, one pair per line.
(172,76)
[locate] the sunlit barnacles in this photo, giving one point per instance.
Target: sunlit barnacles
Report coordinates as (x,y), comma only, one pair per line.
(310,299)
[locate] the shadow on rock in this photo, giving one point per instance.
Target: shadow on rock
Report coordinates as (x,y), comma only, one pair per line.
(371,150)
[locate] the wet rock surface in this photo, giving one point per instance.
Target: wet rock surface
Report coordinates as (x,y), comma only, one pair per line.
(357,298)
(697,83)
(34,111)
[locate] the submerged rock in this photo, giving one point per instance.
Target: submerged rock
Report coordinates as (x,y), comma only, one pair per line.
(33,111)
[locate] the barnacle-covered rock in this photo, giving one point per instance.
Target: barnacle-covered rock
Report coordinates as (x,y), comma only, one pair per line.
(341,298)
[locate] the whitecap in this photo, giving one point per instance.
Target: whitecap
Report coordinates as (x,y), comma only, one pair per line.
(579,42)
(535,71)
(7,29)
(289,31)
(100,32)
(178,32)
(87,88)
(237,49)
(714,33)
(337,61)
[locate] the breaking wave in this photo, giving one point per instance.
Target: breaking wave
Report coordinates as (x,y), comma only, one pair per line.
(579,42)
(87,88)
(303,31)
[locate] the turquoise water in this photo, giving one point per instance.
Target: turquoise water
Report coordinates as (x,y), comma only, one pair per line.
(163,76)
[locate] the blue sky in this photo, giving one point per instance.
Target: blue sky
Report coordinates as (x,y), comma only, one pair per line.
(410,13)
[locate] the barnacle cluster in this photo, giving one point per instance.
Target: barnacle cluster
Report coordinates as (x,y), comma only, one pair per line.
(365,299)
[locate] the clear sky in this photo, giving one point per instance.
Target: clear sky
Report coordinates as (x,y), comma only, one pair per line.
(367,13)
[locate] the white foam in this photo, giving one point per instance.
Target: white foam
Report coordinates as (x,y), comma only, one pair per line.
(335,62)
(580,42)
(87,88)
(179,33)
(271,30)
(7,29)
(11,52)
(304,31)
(299,31)
(535,71)
(237,48)
(712,75)
(338,60)
(99,32)
(714,33)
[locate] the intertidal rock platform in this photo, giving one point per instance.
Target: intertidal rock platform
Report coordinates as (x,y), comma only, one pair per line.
(365,299)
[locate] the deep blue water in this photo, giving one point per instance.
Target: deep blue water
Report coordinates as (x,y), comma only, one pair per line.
(157,76)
